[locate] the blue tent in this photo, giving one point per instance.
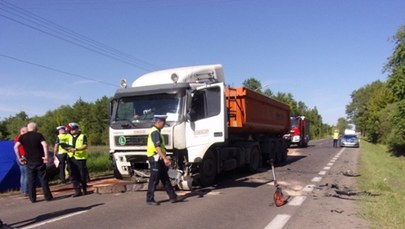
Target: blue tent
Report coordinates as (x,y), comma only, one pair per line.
(9,170)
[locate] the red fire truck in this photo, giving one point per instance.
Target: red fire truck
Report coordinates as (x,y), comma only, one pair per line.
(299,132)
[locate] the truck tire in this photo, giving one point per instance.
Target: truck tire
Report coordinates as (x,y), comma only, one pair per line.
(284,152)
(279,152)
(255,159)
(273,151)
(208,170)
(117,174)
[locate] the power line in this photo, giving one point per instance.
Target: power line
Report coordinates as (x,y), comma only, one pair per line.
(47,27)
(57,70)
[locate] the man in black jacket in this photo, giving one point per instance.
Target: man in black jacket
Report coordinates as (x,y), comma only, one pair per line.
(36,157)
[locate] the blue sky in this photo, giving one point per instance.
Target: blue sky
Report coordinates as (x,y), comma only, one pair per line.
(318,50)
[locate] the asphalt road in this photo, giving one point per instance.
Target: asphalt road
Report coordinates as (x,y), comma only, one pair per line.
(239,200)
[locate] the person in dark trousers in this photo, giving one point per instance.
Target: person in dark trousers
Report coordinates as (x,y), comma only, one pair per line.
(158,162)
(36,154)
(23,166)
(335,138)
(77,157)
(60,152)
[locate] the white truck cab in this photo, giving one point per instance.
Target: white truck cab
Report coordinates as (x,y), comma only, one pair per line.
(193,100)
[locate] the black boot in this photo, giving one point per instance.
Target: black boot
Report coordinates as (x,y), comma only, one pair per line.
(78,192)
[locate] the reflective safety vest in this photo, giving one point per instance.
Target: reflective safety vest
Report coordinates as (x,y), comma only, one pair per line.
(151,149)
(63,138)
(79,154)
(336,135)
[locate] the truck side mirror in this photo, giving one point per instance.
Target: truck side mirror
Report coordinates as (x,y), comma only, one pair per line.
(110,106)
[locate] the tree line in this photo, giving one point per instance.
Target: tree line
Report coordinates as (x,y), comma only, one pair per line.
(91,116)
(378,109)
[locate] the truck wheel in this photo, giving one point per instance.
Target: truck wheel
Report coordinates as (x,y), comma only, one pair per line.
(117,174)
(273,151)
(284,153)
(278,152)
(208,170)
(255,159)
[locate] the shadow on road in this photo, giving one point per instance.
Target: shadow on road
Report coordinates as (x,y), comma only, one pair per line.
(53,215)
(242,178)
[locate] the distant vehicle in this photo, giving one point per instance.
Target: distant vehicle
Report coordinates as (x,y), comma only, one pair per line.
(299,132)
(349,132)
(349,140)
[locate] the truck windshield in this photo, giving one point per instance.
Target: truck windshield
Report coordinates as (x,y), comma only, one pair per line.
(139,111)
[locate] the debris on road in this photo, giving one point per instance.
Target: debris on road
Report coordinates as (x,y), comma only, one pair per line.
(350,173)
(340,211)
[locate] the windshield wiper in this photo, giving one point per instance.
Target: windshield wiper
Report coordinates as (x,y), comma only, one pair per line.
(125,123)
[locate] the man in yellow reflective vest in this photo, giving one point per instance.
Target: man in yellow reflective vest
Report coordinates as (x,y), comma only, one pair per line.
(77,159)
(61,140)
(335,138)
(158,162)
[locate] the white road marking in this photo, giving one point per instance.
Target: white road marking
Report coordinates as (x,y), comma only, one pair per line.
(326,168)
(316,179)
(329,164)
(278,222)
(340,152)
(322,173)
(54,219)
(297,201)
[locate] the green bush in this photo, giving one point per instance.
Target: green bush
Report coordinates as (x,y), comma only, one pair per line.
(99,160)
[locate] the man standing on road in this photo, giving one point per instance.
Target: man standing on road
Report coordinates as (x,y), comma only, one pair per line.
(77,159)
(158,162)
(61,140)
(335,138)
(36,154)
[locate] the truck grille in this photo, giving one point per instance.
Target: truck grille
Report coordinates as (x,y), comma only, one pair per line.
(140,140)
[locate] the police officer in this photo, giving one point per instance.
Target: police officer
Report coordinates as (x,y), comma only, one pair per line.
(335,138)
(77,159)
(61,140)
(158,162)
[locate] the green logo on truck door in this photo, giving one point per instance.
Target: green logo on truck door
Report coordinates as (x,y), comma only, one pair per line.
(122,140)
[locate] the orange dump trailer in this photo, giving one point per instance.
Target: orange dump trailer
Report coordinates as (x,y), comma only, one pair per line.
(252,112)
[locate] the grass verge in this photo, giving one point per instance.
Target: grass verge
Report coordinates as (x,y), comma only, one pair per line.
(383,176)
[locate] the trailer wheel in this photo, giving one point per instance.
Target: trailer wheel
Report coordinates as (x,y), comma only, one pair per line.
(255,159)
(208,169)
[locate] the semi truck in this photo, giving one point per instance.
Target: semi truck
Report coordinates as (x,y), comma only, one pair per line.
(299,133)
(210,128)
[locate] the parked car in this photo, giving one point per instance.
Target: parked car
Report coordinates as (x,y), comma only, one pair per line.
(349,141)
